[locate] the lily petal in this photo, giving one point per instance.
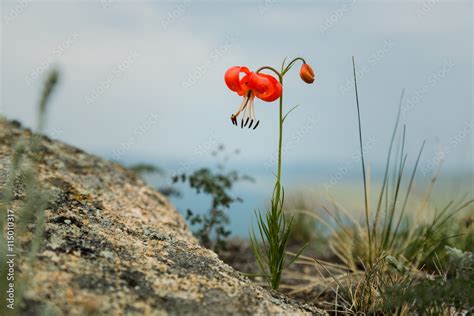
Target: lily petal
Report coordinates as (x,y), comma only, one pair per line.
(266,87)
(233,81)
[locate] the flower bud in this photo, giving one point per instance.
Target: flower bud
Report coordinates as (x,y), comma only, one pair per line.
(307,73)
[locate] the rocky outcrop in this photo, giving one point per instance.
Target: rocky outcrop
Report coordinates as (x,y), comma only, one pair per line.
(112,245)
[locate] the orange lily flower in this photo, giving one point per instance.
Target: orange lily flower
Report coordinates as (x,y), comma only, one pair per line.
(251,85)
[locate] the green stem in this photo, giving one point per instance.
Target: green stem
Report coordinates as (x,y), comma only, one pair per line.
(278,205)
(291,65)
(280,76)
(280,140)
(280,143)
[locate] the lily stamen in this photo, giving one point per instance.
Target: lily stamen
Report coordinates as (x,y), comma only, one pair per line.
(258,122)
(249,112)
(243,106)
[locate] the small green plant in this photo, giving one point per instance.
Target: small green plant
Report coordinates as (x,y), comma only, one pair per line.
(48,89)
(23,173)
(273,227)
(212,229)
(146,169)
(450,291)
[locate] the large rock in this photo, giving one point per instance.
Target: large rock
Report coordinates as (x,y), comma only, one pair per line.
(115,246)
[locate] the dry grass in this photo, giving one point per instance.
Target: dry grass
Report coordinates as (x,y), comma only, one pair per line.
(397,244)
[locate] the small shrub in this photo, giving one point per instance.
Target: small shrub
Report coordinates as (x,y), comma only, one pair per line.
(217,183)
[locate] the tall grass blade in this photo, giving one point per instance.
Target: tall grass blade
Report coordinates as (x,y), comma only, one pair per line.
(362,158)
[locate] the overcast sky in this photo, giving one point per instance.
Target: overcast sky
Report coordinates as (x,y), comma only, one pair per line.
(144,80)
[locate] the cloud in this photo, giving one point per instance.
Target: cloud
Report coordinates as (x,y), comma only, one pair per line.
(183,49)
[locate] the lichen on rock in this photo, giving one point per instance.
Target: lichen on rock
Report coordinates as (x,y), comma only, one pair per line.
(115,246)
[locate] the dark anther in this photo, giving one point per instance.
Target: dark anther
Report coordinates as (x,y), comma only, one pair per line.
(258,122)
(232,118)
(247,121)
(242,123)
(251,122)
